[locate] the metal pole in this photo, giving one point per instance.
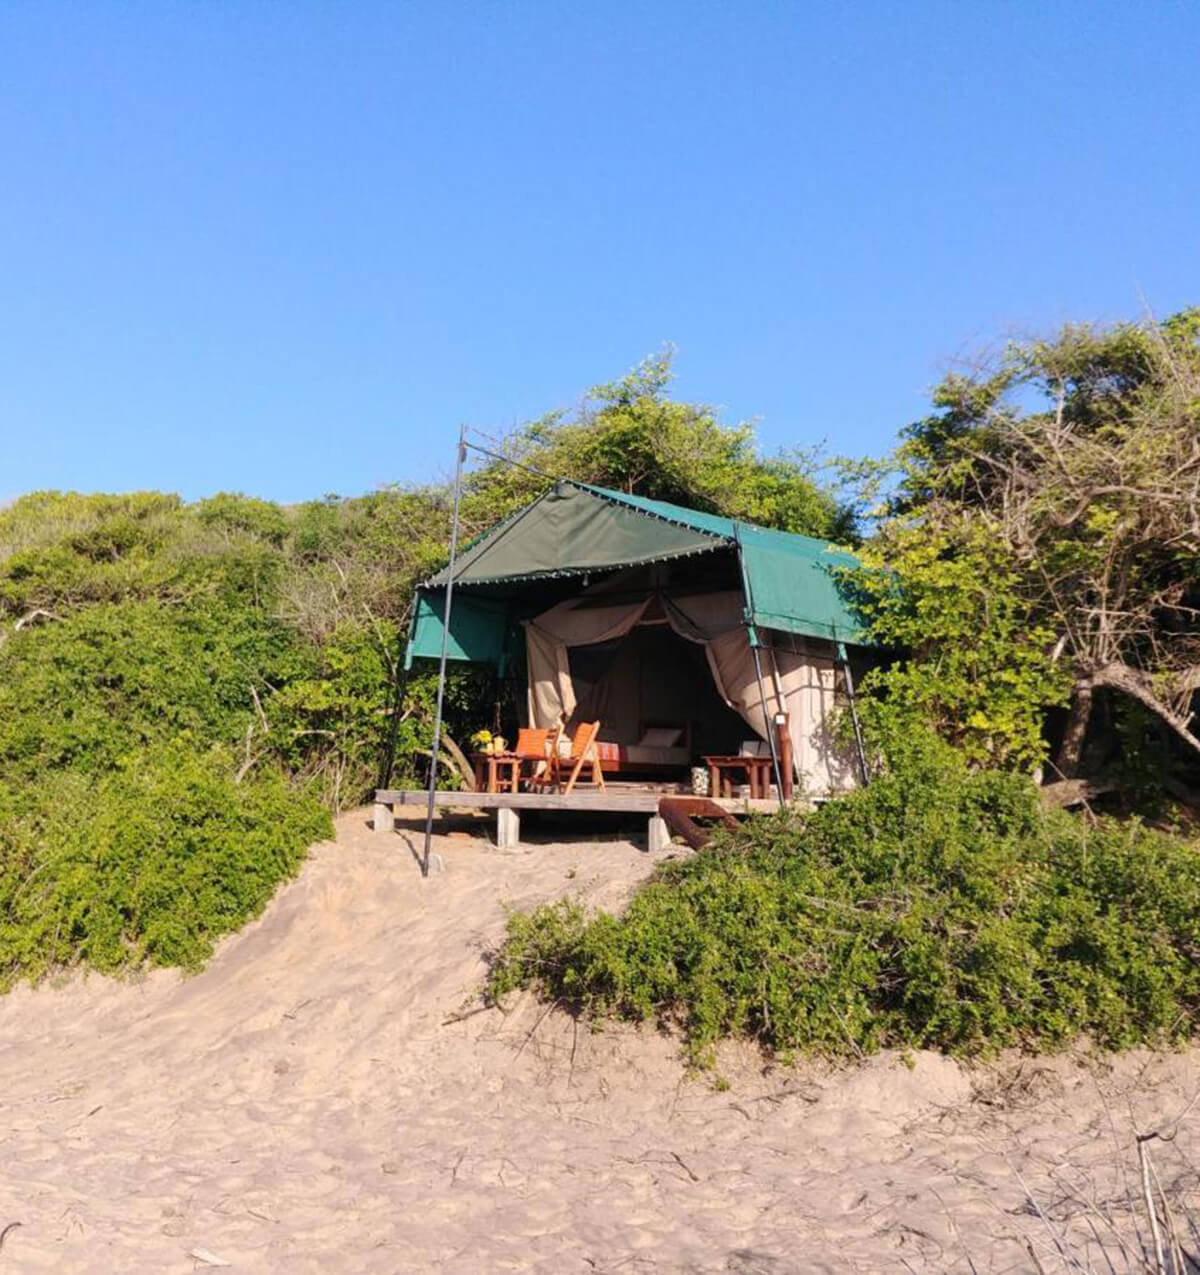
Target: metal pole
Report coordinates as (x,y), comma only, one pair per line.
(768,717)
(441,691)
(858,739)
(508,460)
(752,638)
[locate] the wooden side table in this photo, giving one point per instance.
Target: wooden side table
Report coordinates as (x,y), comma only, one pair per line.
(492,770)
(720,776)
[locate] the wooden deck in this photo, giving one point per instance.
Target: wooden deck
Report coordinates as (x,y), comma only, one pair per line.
(623,799)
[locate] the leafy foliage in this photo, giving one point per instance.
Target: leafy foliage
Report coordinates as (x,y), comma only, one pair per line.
(977,668)
(940,907)
(109,679)
(184,691)
(1061,479)
(630,436)
(152,862)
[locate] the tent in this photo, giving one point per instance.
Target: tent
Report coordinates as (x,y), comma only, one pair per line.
(677,628)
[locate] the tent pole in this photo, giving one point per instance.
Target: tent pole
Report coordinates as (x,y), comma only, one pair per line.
(858,738)
(752,637)
(441,690)
(768,717)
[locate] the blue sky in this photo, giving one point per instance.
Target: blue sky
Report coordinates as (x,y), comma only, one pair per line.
(287,248)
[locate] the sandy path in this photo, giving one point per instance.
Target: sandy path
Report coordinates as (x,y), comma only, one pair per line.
(300,1107)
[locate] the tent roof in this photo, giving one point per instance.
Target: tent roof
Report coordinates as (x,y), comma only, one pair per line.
(576,529)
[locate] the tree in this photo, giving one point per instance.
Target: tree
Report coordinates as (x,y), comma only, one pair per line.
(1076,463)
(629,435)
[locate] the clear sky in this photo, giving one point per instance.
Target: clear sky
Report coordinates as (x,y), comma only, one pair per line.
(286,248)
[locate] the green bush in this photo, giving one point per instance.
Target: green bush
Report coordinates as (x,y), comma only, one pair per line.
(938,908)
(110,678)
(151,863)
(152,655)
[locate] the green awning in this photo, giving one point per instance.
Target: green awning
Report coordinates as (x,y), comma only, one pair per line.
(478,627)
(791,582)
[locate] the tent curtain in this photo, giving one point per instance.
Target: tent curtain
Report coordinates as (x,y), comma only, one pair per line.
(547,638)
(797,682)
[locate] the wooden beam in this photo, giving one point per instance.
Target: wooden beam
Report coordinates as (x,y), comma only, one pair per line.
(680,814)
(610,802)
(783,735)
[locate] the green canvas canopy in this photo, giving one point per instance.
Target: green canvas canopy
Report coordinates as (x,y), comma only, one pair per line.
(791,582)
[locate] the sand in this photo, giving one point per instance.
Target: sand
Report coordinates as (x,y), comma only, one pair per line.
(303,1106)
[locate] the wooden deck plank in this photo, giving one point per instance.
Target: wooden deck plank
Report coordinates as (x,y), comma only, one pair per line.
(601,802)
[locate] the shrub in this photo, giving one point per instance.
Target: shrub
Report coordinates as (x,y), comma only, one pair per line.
(331,722)
(152,863)
(937,908)
(87,690)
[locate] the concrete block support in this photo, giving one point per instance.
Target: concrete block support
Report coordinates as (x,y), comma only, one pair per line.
(658,835)
(508,828)
(385,819)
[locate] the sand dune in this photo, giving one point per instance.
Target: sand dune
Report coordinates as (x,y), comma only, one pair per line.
(302,1106)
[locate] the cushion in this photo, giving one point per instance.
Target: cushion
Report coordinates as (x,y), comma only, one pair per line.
(661,737)
(641,755)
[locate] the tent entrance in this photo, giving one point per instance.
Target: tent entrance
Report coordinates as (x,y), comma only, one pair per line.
(646,684)
(589,658)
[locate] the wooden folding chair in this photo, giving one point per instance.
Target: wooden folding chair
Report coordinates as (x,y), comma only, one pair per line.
(536,745)
(583,751)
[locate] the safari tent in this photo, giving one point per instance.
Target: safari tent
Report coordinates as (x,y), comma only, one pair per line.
(684,633)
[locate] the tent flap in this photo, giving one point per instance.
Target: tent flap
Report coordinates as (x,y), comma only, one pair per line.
(792,584)
(478,627)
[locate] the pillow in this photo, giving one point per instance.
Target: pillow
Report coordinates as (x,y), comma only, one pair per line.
(661,737)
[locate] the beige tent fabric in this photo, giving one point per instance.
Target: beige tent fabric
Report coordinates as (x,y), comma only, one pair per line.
(702,616)
(551,692)
(797,681)
(825,762)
